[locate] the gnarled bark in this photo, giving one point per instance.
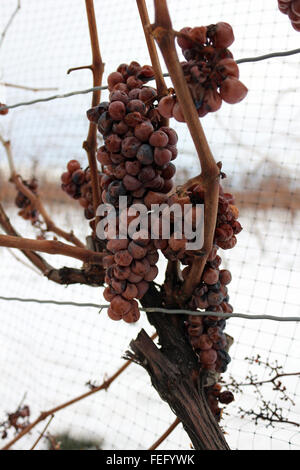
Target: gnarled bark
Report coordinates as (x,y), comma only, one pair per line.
(174,373)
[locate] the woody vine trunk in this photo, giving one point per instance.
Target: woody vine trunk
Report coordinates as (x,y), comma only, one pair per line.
(174,372)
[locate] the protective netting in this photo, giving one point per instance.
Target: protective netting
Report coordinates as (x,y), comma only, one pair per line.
(50,352)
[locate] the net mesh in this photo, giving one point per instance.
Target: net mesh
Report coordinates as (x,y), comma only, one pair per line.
(51,352)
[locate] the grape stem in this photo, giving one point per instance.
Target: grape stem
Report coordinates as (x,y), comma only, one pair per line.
(209,177)
(53,247)
(97,68)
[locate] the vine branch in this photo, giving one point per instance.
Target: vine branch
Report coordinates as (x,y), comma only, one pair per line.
(44,414)
(42,433)
(161,86)
(97,68)
(14,13)
(209,178)
(28,88)
(52,247)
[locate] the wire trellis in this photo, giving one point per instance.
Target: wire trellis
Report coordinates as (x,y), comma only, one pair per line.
(105,87)
(156,310)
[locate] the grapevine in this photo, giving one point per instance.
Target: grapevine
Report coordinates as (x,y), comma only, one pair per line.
(136,164)
(136,161)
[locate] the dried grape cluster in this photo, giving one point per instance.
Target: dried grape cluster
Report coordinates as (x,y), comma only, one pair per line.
(17,421)
(136,160)
(214,397)
(292,9)
(206,333)
(211,294)
(76,182)
(211,72)
(28,211)
(227,225)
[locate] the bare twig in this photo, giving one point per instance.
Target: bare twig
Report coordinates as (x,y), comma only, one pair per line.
(14,13)
(267,410)
(28,88)
(104,386)
(82,67)
(161,86)
(164,436)
(52,247)
(97,67)
(42,433)
(272,380)
(276,372)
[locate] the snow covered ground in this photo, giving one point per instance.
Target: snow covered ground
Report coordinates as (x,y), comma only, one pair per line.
(50,352)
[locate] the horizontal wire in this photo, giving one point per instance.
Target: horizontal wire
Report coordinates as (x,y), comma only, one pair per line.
(271,55)
(158,310)
(105,87)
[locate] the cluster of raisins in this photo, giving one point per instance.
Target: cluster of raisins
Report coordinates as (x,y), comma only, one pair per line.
(206,332)
(136,159)
(212,293)
(292,9)
(129,269)
(211,72)
(214,397)
(27,210)
(76,182)
(207,338)
(227,226)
